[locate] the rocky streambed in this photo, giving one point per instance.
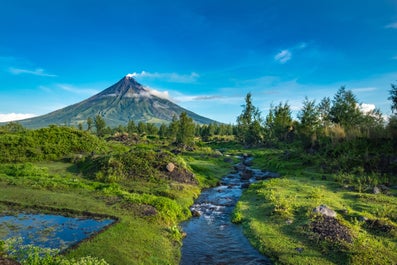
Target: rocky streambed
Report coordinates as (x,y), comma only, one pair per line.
(211,237)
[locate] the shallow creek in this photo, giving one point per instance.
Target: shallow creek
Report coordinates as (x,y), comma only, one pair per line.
(211,237)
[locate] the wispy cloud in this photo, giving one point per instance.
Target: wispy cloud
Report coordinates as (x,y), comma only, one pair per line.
(77,90)
(37,72)
(283,56)
(286,54)
(15,116)
(391,25)
(364,89)
(170,77)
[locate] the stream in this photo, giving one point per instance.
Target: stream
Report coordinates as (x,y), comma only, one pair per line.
(211,237)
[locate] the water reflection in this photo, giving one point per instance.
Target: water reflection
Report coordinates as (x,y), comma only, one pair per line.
(50,231)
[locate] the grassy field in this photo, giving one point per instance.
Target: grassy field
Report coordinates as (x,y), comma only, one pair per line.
(277,215)
(147,231)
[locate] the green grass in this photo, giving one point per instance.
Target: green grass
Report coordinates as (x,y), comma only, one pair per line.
(276,215)
(138,237)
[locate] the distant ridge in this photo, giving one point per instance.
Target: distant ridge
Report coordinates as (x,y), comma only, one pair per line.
(118,104)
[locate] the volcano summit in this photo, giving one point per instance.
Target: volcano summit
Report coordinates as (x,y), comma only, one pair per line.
(118,104)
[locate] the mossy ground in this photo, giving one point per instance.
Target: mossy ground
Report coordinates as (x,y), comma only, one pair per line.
(276,216)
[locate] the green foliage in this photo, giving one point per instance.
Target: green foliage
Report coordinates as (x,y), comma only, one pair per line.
(185,132)
(100,125)
(47,144)
(279,122)
(393,97)
(33,255)
(249,130)
(345,108)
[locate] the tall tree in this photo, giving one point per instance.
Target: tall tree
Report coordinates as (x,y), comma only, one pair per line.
(282,121)
(249,130)
(393,97)
(309,120)
(131,127)
(185,133)
(345,109)
(324,109)
(173,128)
(100,125)
(90,122)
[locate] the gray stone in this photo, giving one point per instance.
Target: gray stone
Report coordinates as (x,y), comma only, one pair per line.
(376,190)
(324,210)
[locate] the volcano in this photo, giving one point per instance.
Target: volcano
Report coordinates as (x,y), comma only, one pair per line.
(125,101)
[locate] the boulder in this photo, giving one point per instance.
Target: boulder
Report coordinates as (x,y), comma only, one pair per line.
(246,174)
(170,167)
(195,213)
(324,210)
(376,190)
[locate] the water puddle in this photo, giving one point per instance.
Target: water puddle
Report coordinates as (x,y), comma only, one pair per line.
(211,238)
(50,231)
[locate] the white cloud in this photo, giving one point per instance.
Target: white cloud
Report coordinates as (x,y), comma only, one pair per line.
(391,25)
(76,90)
(157,93)
(170,77)
(37,71)
(366,108)
(283,56)
(15,116)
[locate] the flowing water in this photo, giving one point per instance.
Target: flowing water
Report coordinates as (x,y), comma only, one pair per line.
(50,231)
(212,238)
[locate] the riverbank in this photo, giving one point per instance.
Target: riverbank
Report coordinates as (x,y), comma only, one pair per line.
(277,216)
(147,231)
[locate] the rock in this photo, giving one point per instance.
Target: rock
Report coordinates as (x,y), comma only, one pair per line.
(170,167)
(246,174)
(289,222)
(217,153)
(300,250)
(245,185)
(195,213)
(269,174)
(324,210)
(376,190)
(383,187)
(362,219)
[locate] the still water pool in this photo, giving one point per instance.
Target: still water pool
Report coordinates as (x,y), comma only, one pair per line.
(50,231)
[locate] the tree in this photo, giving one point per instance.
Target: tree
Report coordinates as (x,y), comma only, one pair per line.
(173,128)
(324,109)
(100,125)
(90,122)
(163,131)
(141,127)
(344,110)
(185,133)
(249,130)
(282,121)
(309,120)
(393,97)
(131,127)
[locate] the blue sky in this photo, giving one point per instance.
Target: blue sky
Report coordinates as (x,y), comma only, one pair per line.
(204,55)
